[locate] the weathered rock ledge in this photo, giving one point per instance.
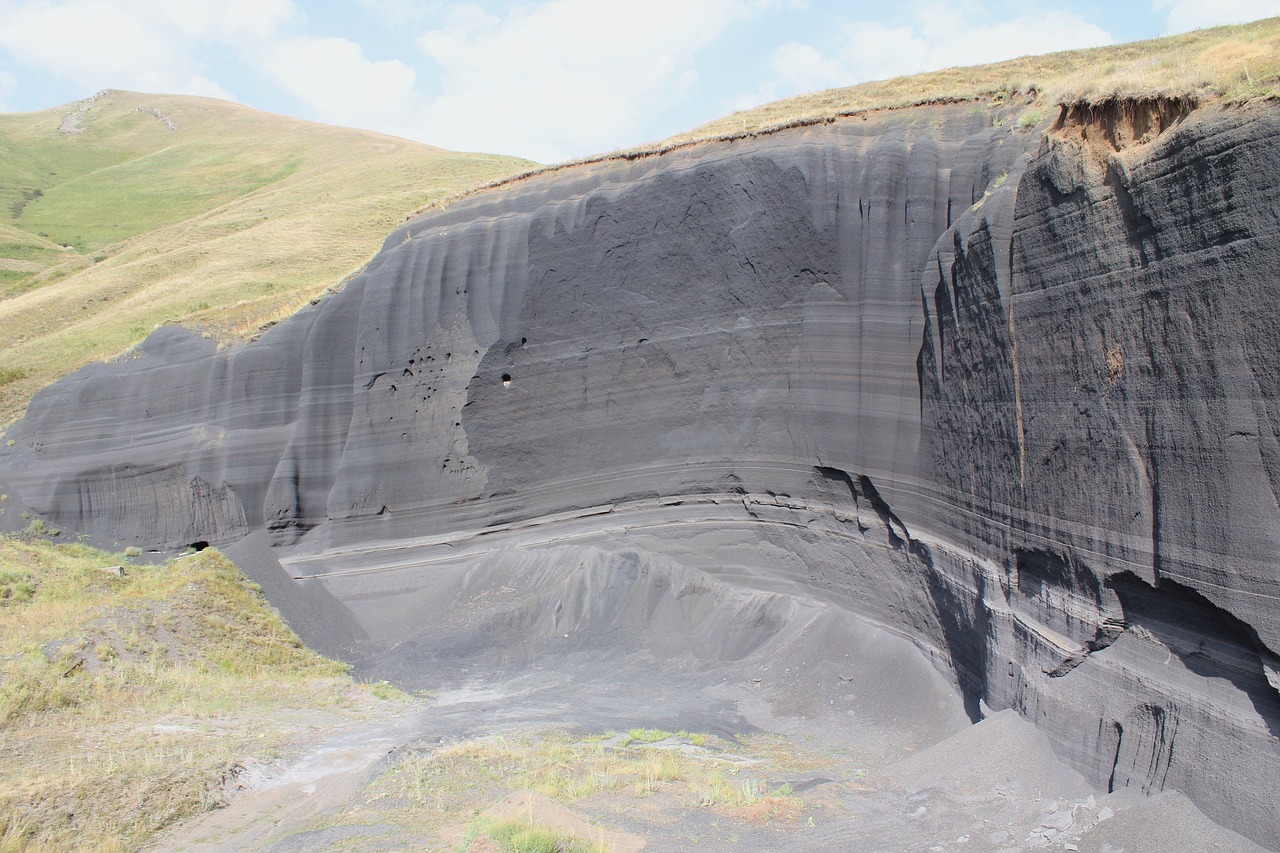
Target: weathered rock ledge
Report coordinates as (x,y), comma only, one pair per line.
(1014,395)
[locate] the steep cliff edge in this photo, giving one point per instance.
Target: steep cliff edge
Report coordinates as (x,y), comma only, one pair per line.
(1013,394)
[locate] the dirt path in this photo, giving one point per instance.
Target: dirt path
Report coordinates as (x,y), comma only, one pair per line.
(271,801)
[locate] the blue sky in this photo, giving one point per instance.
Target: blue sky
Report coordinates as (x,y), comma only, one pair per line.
(546,79)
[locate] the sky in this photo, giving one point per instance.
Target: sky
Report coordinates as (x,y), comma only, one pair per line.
(545,79)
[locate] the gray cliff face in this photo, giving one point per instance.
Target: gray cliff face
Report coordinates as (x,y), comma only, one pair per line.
(1015,396)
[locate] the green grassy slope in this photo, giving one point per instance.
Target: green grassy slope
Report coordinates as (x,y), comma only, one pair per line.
(147,209)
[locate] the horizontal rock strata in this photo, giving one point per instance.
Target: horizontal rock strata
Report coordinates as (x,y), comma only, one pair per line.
(1013,394)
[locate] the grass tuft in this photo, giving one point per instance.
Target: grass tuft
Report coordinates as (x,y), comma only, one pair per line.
(516,836)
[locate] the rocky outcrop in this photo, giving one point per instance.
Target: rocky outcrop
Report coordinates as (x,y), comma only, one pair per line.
(1012,393)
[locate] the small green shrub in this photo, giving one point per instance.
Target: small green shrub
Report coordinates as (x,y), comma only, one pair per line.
(648,735)
(34,685)
(516,836)
(387,691)
(655,735)
(37,529)
(1030,119)
(719,790)
(16,587)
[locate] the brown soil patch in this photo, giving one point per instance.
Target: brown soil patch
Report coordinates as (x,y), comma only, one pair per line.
(767,810)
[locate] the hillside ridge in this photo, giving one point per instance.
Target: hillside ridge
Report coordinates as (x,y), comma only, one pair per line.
(129,210)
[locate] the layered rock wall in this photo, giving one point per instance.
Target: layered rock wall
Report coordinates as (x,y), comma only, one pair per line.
(1013,393)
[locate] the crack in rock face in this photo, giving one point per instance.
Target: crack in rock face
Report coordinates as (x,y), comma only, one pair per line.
(1013,399)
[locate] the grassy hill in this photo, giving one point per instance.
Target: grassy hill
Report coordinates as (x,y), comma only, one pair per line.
(125,211)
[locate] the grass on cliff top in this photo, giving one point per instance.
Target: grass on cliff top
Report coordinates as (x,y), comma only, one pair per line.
(1235,63)
(114,223)
(128,700)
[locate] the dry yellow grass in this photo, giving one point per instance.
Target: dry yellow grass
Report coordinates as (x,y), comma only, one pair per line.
(430,791)
(126,701)
(234,219)
(1234,64)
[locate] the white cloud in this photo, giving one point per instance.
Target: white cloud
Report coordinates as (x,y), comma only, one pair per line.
(92,43)
(225,20)
(567,77)
(1184,15)
(396,13)
(938,36)
(133,44)
(802,67)
(340,85)
(200,85)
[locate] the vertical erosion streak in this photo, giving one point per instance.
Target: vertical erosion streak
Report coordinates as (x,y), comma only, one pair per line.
(298,492)
(1017,384)
(1115,758)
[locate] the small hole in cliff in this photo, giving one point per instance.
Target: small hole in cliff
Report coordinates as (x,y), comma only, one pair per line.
(524,341)
(506,380)
(198,545)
